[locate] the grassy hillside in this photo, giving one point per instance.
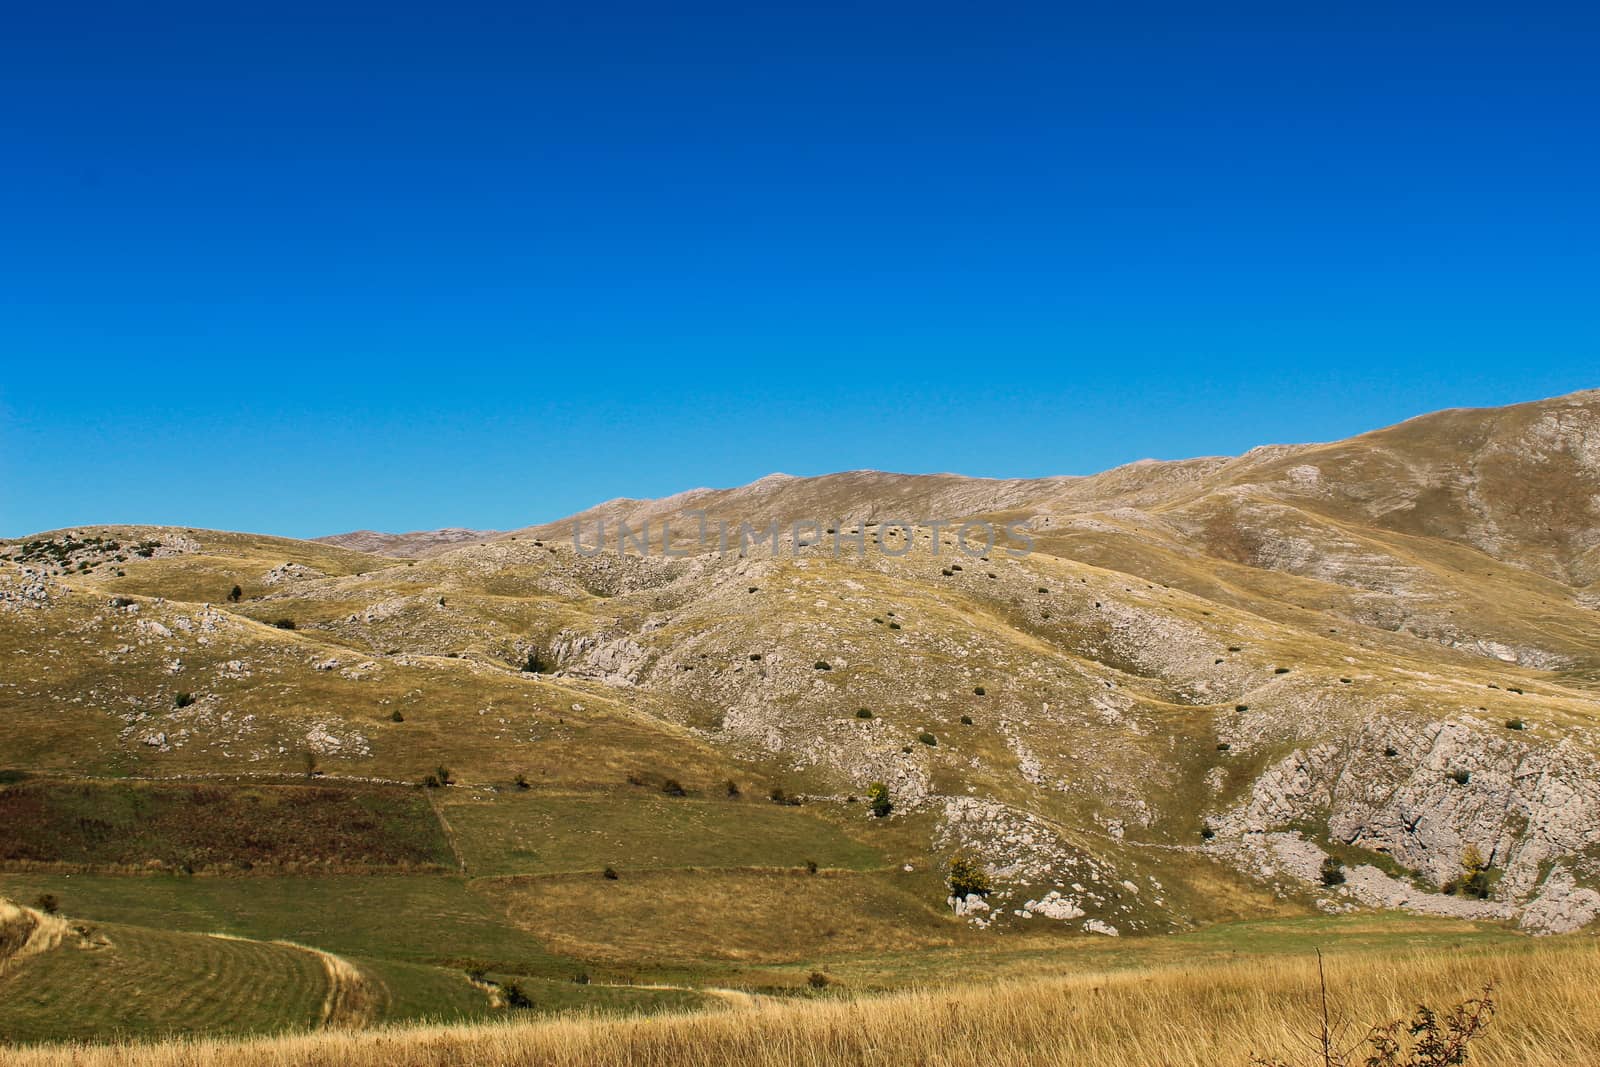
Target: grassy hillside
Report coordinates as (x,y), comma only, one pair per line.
(1301,683)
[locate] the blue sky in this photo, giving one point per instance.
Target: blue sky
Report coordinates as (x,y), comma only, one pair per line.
(300,271)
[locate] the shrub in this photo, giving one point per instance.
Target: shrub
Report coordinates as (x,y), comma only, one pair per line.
(234,594)
(966,720)
(534,665)
(183,700)
(47,903)
(443,774)
(817,980)
(1419,1042)
(811,866)
(581,978)
(1207,833)
(1280,670)
(863,713)
(1223,746)
(673,788)
(516,997)
(967,877)
(978,691)
(1473,881)
(1332,872)
(732,787)
(1516,724)
(927,739)
(777,795)
(397,717)
(822,665)
(1460,776)
(878,799)
(609,874)
(894,626)
(1390,751)
(284,624)
(430,781)
(520,781)
(308,759)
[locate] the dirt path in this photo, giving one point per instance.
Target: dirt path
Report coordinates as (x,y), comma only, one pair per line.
(351,1003)
(738,998)
(449,831)
(27,932)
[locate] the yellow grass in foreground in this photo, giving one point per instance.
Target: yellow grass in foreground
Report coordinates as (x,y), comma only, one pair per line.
(1549,998)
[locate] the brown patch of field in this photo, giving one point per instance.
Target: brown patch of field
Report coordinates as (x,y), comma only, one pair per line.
(215,826)
(749,916)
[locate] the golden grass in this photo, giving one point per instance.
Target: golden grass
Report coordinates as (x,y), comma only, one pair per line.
(1169,1017)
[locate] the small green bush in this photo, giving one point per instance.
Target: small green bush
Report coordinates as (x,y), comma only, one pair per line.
(822,665)
(1516,724)
(47,903)
(966,720)
(397,717)
(817,980)
(609,874)
(928,739)
(863,713)
(284,624)
(183,700)
(1332,872)
(878,799)
(673,788)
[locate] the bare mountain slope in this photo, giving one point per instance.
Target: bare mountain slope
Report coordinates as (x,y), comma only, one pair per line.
(1205,683)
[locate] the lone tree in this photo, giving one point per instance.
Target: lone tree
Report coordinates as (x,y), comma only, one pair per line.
(967,877)
(1332,872)
(234,594)
(878,799)
(1473,881)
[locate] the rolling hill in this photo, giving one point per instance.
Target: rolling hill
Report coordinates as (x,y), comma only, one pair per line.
(1307,681)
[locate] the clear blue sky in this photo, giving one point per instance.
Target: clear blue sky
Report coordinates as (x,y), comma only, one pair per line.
(300,271)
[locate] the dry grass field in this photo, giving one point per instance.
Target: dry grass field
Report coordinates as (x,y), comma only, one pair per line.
(1173,1016)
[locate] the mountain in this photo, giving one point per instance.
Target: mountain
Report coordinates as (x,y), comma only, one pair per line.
(1312,678)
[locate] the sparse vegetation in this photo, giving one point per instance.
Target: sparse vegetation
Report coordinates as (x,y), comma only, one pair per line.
(183,700)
